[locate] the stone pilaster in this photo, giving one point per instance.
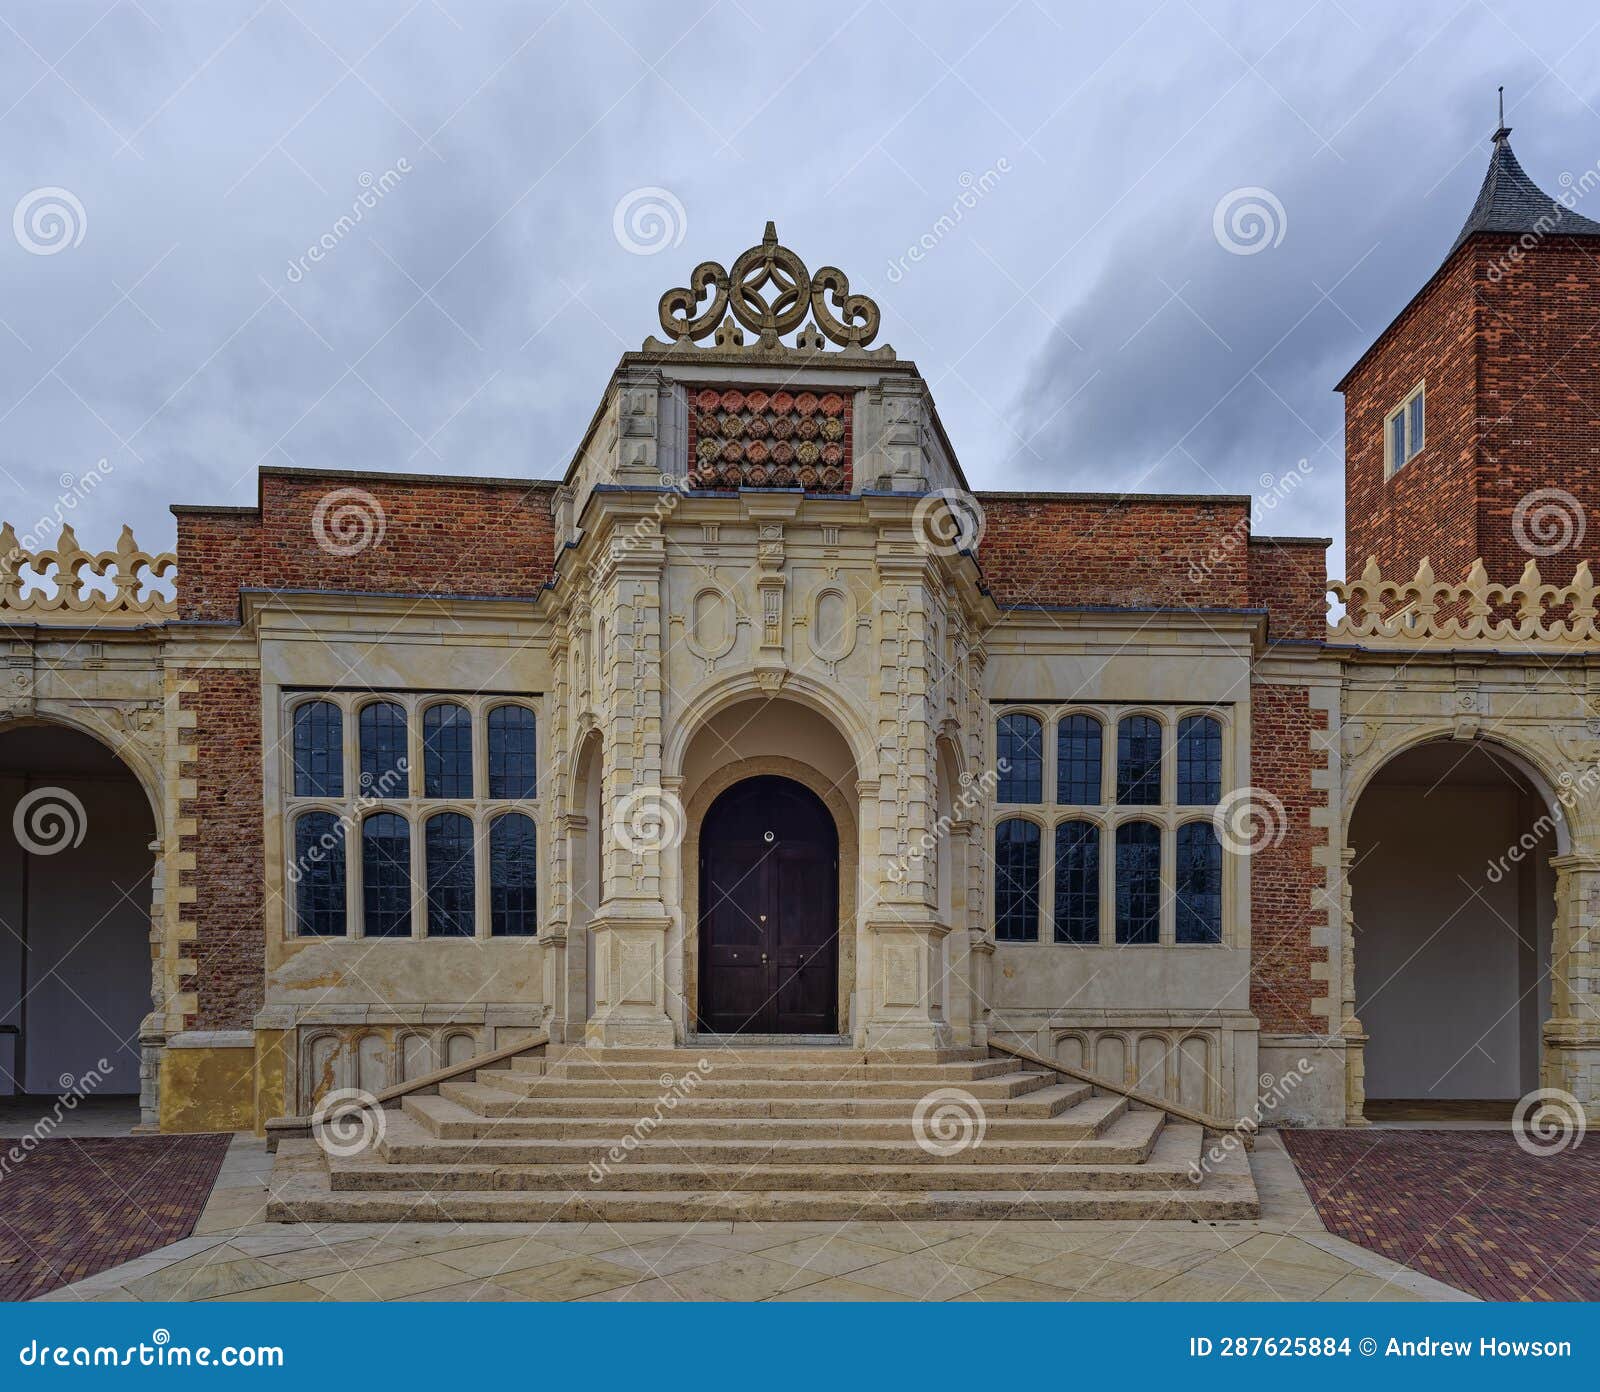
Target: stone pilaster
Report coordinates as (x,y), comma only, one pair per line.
(1350,1028)
(904,1007)
(1571,1060)
(645,820)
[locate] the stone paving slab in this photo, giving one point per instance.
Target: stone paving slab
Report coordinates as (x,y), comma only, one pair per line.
(1469,1207)
(74,1206)
(1287,1255)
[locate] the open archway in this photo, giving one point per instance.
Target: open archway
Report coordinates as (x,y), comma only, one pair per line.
(76,864)
(1453,902)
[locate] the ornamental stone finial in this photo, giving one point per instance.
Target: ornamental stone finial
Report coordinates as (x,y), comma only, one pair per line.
(768,292)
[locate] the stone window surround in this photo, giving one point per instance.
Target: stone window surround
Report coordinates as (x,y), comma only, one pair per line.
(1108,814)
(353,808)
(1391,465)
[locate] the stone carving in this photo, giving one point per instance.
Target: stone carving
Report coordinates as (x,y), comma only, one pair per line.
(70,571)
(1425,611)
(768,291)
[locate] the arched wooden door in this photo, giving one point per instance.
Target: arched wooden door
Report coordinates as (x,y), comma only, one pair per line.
(769,921)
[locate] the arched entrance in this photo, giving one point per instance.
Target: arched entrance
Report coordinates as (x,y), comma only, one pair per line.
(1453,907)
(769,922)
(75,899)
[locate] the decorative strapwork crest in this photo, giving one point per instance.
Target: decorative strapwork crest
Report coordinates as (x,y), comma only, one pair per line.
(61,582)
(769,292)
(1426,610)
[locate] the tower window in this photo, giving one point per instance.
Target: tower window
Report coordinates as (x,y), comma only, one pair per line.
(1403,431)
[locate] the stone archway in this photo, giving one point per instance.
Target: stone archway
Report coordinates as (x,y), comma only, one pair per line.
(79,887)
(1451,859)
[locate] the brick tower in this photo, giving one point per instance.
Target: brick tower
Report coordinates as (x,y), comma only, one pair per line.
(1472,424)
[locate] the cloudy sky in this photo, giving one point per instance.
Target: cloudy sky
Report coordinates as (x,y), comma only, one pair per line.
(1106,313)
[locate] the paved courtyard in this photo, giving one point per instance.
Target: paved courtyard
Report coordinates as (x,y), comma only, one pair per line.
(76,1205)
(1469,1207)
(1287,1255)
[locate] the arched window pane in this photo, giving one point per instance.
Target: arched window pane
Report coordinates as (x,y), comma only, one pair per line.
(318,750)
(513,876)
(1139,761)
(1199,761)
(1016,881)
(384,765)
(1138,882)
(1199,884)
(1019,750)
(512,762)
(446,751)
(386,876)
(1078,761)
(319,875)
(1077,882)
(447,847)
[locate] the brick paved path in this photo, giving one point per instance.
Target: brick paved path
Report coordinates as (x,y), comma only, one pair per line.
(78,1205)
(1467,1207)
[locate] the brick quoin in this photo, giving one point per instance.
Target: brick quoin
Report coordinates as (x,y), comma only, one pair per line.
(1285,884)
(1510,352)
(228,854)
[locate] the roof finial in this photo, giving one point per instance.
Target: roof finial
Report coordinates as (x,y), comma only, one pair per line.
(1503,132)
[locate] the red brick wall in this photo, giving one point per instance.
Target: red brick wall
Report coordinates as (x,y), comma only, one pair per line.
(1142,552)
(1288,578)
(227,876)
(1429,507)
(1539,384)
(453,536)
(1284,883)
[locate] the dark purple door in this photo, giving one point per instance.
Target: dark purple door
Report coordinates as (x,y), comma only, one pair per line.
(769,931)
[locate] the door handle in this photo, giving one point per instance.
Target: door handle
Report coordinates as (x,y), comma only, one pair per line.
(763,956)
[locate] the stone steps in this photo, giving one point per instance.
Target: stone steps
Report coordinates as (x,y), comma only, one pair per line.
(533,1085)
(302,1193)
(812,1133)
(1133,1155)
(491,1099)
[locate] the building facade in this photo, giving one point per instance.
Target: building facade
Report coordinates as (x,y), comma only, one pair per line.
(762,723)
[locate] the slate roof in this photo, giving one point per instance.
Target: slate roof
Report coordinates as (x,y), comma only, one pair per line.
(1510,203)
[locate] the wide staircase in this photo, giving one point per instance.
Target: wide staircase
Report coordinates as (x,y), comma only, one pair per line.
(769,1134)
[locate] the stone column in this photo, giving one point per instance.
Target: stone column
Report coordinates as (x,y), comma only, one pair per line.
(1571,1056)
(643,820)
